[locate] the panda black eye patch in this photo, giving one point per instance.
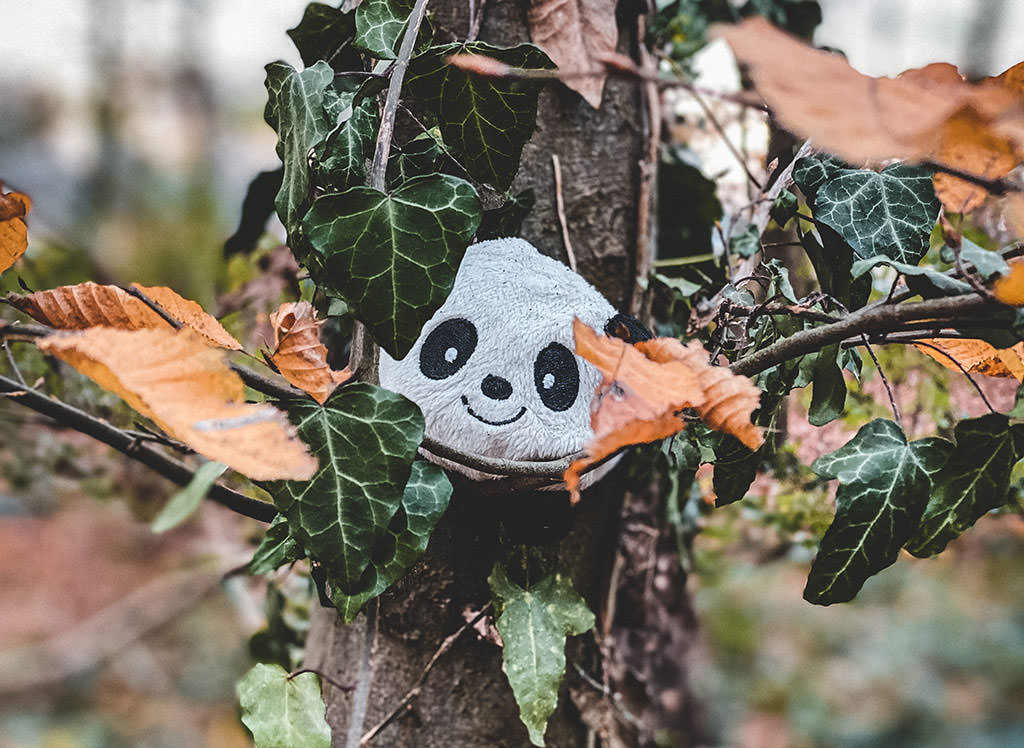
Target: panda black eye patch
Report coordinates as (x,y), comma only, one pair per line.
(447,348)
(556,377)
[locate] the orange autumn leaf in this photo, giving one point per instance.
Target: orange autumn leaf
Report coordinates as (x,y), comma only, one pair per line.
(176,379)
(13,230)
(976,356)
(1009,289)
(90,304)
(923,114)
(298,353)
(644,388)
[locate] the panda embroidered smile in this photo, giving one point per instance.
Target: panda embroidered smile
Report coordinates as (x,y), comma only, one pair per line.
(494,370)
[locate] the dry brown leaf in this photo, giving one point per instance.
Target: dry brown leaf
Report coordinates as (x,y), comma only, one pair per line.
(176,379)
(1009,289)
(13,230)
(576,34)
(923,114)
(976,356)
(298,353)
(970,146)
(89,304)
(644,388)
(729,398)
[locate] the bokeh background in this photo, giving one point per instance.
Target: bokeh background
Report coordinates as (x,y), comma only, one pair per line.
(135,127)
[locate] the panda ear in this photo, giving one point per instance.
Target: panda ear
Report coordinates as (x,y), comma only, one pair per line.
(627,327)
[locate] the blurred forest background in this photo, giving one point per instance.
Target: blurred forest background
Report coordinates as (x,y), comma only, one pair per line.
(135,127)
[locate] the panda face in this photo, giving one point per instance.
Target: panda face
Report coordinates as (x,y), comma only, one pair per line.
(494,370)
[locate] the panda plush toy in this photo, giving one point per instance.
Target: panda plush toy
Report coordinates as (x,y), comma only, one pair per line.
(494,370)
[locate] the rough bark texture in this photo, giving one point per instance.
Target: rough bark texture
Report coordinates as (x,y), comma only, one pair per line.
(466,700)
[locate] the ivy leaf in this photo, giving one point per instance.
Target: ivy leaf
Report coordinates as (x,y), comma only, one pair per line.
(366,438)
(277,548)
(325,33)
(184,503)
(393,257)
(988,264)
(423,502)
(889,213)
(735,469)
(282,712)
(297,109)
(341,157)
(422,155)
(973,481)
(533,625)
(828,395)
(379,26)
(923,280)
(883,488)
(484,122)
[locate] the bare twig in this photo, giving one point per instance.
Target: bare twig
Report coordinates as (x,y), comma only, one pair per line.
(14,364)
(322,675)
(994,186)
(725,139)
(885,381)
(958,365)
(175,471)
(556,167)
(414,692)
(154,305)
(645,239)
(476,18)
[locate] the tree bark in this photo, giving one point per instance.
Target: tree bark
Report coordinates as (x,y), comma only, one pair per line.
(465,700)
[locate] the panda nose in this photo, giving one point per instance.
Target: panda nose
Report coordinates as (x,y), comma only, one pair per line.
(496,388)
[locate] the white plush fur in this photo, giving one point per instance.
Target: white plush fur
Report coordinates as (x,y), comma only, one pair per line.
(519,301)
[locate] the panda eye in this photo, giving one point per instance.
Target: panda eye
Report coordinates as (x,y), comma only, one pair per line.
(447,348)
(556,377)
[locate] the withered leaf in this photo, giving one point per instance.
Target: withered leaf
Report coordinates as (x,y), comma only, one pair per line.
(645,388)
(1009,289)
(976,356)
(176,379)
(920,115)
(14,206)
(89,304)
(576,34)
(298,353)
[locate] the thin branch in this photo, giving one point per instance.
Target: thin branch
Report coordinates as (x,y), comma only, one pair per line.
(958,365)
(647,187)
(548,469)
(873,319)
(155,306)
(885,381)
(170,468)
(320,674)
(725,139)
(414,692)
(556,167)
(378,168)
(994,186)
(14,365)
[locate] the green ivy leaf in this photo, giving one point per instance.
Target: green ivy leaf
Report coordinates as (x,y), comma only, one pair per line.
(277,548)
(297,109)
(973,481)
(379,26)
(424,500)
(883,489)
(533,625)
(828,393)
(365,438)
(422,155)
(484,122)
(325,33)
(747,243)
(341,158)
(282,712)
(988,264)
(923,280)
(735,469)
(393,257)
(889,213)
(185,502)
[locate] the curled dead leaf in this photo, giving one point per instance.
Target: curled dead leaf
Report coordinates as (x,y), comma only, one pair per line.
(176,379)
(14,206)
(931,113)
(298,353)
(89,304)
(1009,289)
(976,356)
(646,386)
(576,34)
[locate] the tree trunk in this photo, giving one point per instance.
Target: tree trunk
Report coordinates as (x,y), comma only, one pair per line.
(466,700)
